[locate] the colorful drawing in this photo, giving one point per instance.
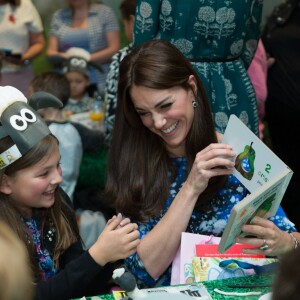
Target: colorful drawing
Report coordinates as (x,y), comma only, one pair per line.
(264,208)
(244,162)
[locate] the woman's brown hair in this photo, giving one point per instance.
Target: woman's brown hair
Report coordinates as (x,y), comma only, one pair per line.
(139,166)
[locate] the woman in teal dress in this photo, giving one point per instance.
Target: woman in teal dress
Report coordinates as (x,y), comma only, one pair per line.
(219,38)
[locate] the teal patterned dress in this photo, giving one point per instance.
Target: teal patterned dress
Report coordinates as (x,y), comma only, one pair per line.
(219,38)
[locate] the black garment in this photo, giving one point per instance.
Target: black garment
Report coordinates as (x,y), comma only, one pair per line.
(283,124)
(281,39)
(79,274)
(91,198)
(92,140)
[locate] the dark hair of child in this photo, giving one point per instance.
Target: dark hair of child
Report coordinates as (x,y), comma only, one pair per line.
(54,83)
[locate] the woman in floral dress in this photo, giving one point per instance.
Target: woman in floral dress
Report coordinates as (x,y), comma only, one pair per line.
(219,38)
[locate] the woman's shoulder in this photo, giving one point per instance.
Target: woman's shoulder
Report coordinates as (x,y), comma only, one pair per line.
(27,8)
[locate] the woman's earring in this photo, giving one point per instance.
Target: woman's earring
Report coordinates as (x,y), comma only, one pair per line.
(194,103)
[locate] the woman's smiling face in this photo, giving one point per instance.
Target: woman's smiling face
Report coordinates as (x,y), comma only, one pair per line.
(168,113)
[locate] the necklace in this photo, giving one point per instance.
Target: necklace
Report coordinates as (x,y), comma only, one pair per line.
(50,235)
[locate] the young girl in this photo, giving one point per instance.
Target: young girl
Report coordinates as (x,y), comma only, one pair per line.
(34,206)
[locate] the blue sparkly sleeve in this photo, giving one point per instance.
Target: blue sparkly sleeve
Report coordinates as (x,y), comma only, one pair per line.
(133,262)
(282,221)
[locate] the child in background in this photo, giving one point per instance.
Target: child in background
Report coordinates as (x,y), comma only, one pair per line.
(74,141)
(38,211)
(76,71)
(16,279)
(70,142)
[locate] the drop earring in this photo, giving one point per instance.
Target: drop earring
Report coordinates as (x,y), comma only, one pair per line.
(194,103)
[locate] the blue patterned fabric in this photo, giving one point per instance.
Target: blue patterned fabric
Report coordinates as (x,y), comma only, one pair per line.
(45,260)
(212,222)
(219,38)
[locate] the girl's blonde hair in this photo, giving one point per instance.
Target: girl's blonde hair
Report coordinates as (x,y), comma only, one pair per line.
(16,279)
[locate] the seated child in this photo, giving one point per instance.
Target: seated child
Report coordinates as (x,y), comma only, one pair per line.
(70,146)
(34,206)
(76,71)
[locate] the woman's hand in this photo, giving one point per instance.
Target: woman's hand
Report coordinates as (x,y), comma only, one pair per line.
(219,136)
(214,160)
(265,233)
(118,240)
(270,61)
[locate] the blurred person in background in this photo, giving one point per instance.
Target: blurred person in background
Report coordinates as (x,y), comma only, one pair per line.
(86,25)
(220,39)
(281,40)
(21,39)
(257,72)
(127,8)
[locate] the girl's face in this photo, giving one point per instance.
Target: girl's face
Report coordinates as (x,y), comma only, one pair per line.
(78,84)
(168,113)
(34,187)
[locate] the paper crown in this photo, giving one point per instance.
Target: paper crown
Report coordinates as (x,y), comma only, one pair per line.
(76,64)
(21,122)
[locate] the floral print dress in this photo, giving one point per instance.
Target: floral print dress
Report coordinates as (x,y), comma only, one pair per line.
(219,37)
(212,222)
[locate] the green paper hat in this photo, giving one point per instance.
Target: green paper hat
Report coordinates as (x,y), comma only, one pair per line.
(21,122)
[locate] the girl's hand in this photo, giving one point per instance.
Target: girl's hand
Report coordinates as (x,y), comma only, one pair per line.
(212,161)
(264,232)
(122,223)
(118,240)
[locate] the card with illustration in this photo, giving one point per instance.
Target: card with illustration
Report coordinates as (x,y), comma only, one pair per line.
(255,163)
(263,173)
